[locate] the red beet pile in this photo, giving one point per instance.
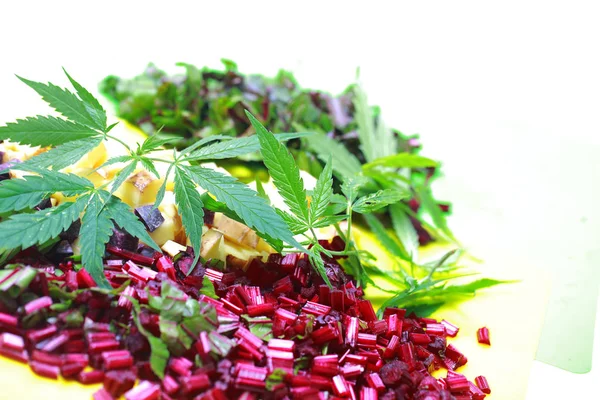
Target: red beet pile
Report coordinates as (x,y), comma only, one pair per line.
(276,332)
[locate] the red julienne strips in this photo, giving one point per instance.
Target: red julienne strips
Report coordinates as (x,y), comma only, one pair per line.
(276,328)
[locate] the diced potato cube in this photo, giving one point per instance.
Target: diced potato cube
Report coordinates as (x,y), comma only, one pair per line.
(235,231)
(172,248)
(212,242)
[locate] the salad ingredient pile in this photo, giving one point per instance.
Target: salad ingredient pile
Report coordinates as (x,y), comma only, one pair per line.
(244,300)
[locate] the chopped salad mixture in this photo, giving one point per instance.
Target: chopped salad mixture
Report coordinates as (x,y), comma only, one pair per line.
(160,275)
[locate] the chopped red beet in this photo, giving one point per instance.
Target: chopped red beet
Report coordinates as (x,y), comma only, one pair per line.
(483,335)
(274,327)
(482,383)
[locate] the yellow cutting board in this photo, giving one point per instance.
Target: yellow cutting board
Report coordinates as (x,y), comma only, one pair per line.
(513,313)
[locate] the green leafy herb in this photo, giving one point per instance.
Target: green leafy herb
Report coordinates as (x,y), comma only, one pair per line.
(377,200)
(68,104)
(27,229)
(208,289)
(159,353)
(121,214)
(275,378)
(402,160)
(64,155)
(45,131)
(190,209)
(345,164)
(235,147)
(251,208)
(405,231)
(96,228)
(19,194)
(283,170)
(322,193)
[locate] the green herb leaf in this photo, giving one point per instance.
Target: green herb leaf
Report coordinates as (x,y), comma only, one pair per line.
(402,160)
(345,164)
(190,208)
(283,170)
(275,378)
(252,209)
(124,217)
(322,193)
(45,131)
(329,220)
(155,141)
(159,353)
(352,185)
(26,230)
(387,241)
(364,120)
(296,226)
(92,105)
(262,327)
(261,191)
(430,207)
(160,195)
(64,155)
(387,143)
(96,228)
(18,194)
(236,147)
(405,231)
(115,160)
(149,166)
(319,265)
(208,289)
(65,103)
(436,294)
(122,175)
(375,201)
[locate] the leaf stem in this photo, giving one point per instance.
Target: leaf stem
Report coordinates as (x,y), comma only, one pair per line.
(116,139)
(160,160)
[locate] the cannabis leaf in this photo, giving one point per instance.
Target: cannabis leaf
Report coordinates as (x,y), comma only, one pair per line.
(96,228)
(283,170)
(123,174)
(26,230)
(322,193)
(45,131)
(402,160)
(366,128)
(190,208)
(18,194)
(345,164)
(387,241)
(92,105)
(375,201)
(66,103)
(236,147)
(154,142)
(430,207)
(434,293)
(245,202)
(64,155)
(124,217)
(405,231)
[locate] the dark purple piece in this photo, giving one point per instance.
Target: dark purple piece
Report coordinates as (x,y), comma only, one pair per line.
(123,240)
(150,217)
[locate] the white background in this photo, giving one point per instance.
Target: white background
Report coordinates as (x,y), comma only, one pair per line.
(505,93)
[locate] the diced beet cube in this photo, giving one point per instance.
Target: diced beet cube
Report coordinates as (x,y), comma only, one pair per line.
(123,240)
(150,217)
